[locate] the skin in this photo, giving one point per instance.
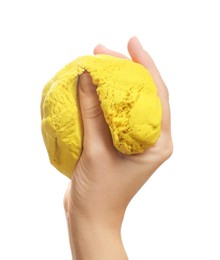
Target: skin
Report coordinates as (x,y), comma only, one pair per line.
(104,180)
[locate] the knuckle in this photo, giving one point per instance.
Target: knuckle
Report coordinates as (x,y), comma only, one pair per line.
(65,203)
(96,154)
(92,112)
(168,149)
(66,199)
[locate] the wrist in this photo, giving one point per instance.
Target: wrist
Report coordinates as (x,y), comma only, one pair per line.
(105,217)
(95,240)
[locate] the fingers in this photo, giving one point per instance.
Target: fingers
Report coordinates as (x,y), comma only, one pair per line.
(100,49)
(136,51)
(96,130)
(139,55)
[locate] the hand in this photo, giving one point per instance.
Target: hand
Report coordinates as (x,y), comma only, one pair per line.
(104,180)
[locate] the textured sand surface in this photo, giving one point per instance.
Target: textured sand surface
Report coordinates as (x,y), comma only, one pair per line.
(128,98)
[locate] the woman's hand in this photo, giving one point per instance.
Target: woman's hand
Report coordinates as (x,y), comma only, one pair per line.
(104,180)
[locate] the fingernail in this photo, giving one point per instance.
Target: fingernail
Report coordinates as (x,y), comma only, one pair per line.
(138,42)
(102,46)
(85,82)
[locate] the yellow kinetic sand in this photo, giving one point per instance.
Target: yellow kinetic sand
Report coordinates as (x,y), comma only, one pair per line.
(128,98)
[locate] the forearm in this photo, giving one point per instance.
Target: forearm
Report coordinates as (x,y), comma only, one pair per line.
(95,241)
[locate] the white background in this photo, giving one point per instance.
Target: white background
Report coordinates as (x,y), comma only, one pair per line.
(176,214)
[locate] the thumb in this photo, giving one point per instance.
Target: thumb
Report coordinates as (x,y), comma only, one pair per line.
(96,130)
